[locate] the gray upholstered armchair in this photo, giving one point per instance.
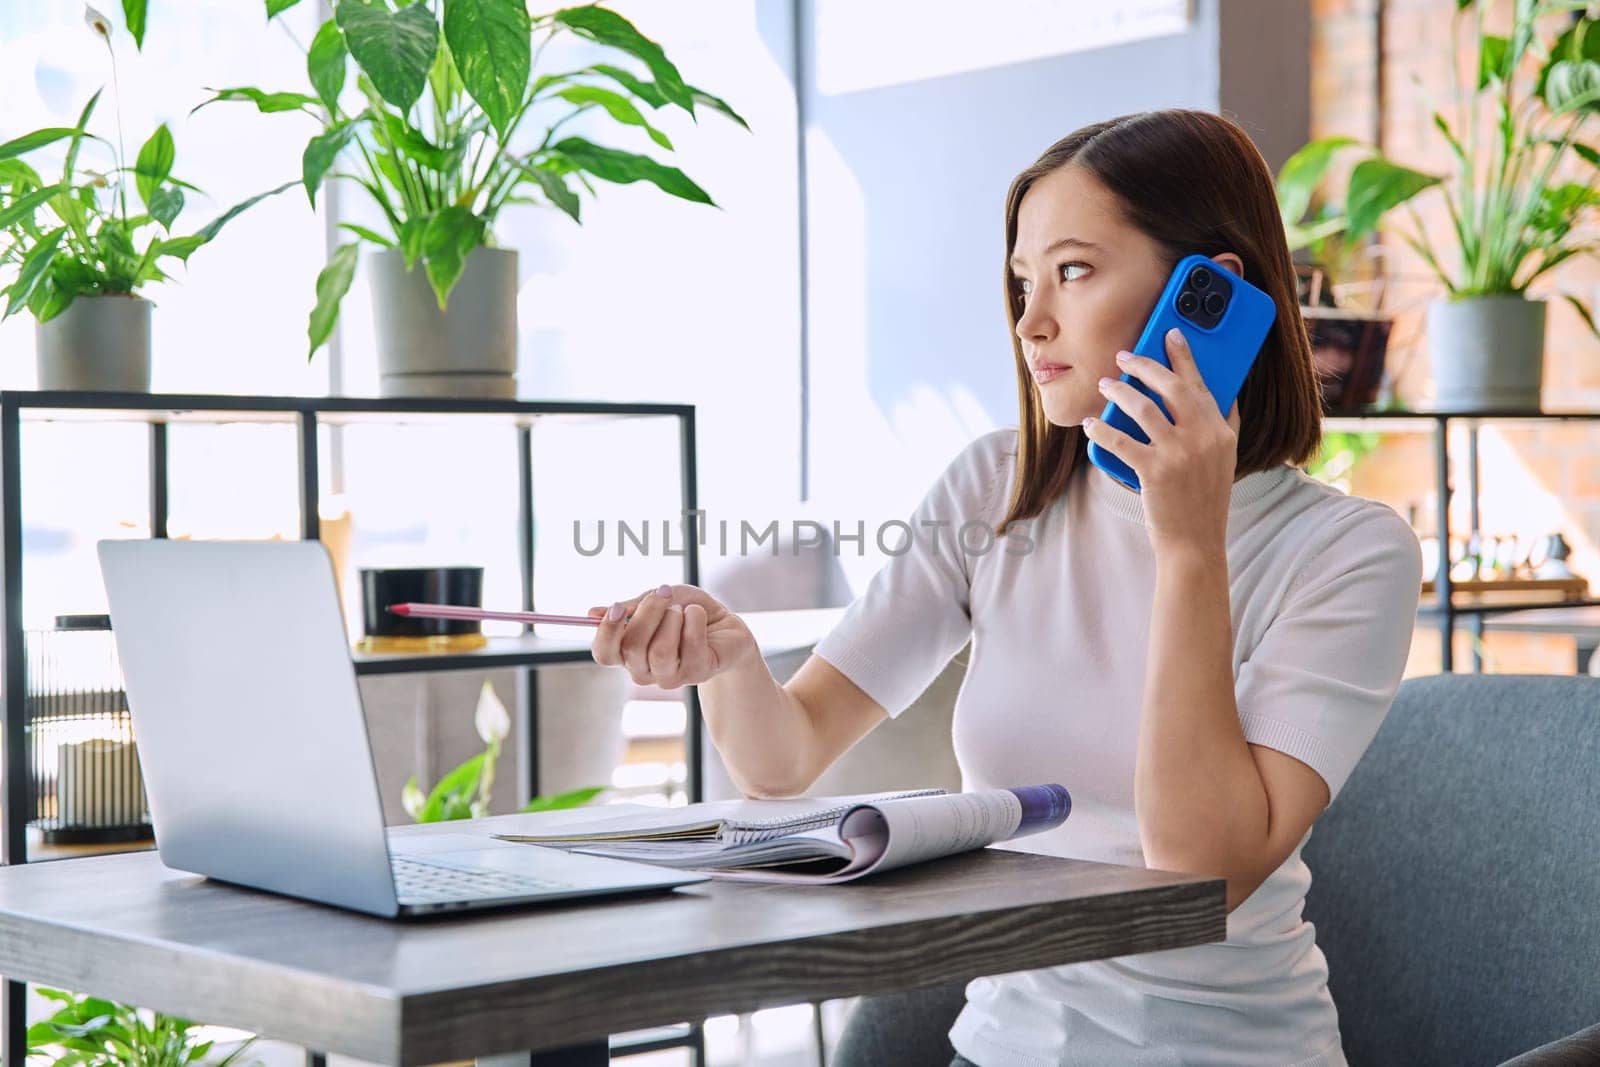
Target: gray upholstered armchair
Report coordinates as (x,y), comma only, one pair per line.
(1456,891)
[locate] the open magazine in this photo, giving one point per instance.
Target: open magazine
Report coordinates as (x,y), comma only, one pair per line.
(815,839)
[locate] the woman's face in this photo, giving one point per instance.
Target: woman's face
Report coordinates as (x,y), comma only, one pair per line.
(1090,280)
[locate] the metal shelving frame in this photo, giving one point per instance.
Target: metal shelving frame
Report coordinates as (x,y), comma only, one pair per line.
(1444,608)
(160,411)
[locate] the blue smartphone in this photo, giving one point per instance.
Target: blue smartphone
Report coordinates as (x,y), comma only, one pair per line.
(1225,320)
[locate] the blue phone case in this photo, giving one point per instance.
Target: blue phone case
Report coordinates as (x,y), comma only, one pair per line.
(1224,351)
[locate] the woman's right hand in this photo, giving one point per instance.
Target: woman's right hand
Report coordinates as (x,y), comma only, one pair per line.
(672,636)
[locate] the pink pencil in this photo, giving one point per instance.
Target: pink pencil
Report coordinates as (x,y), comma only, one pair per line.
(451,611)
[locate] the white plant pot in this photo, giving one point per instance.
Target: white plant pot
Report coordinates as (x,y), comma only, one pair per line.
(99,344)
(467,350)
(1487,352)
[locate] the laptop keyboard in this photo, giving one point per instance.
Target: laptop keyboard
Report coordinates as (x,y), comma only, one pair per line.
(418,881)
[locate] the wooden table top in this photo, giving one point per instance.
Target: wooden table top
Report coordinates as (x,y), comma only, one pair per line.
(128,928)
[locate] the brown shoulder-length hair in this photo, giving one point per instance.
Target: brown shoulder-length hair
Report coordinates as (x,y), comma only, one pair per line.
(1195,183)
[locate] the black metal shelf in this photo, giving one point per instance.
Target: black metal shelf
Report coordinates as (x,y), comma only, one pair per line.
(1445,607)
(225,407)
(160,410)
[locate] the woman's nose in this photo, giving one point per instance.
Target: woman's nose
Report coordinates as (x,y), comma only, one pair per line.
(1035,324)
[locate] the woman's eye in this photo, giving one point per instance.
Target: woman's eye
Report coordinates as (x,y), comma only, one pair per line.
(1068,268)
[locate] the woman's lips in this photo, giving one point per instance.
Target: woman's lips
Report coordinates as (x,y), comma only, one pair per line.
(1048,372)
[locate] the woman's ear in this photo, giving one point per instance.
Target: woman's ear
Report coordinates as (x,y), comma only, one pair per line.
(1231,261)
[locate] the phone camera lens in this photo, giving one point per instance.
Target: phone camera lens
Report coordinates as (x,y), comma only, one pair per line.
(1215,303)
(1201,278)
(1188,303)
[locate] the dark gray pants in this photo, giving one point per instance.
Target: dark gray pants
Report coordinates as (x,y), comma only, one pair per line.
(906,1029)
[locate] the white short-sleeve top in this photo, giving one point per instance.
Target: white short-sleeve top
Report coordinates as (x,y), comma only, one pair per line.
(1323,589)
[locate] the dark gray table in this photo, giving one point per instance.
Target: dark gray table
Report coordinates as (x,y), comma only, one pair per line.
(563,977)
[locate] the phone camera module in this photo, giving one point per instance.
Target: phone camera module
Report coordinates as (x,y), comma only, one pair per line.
(1201,278)
(1214,303)
(1188,302)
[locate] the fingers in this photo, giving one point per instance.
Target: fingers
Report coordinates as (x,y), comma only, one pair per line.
(1116,442)
(638,632)
(1151,419)
(694,650)
(607,645)
(661,654)
(1181,356)
(661,636)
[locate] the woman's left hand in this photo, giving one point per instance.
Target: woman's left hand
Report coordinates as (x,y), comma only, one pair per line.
(1186,472)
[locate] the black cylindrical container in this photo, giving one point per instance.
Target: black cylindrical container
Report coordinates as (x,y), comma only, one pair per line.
(383,586)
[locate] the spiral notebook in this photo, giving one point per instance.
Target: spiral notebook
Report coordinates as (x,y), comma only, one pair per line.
(729,822)
(812,839)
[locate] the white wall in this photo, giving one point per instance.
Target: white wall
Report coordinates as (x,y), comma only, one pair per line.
(909,357)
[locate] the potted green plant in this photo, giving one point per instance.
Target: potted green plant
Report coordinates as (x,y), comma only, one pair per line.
(1514,213)
(75,254)
(438,133)
(463,792)
(1346,322)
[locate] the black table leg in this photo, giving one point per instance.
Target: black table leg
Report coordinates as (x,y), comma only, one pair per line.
(594,1054)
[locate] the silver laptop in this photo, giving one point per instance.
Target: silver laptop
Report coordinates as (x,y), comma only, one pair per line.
(254,745)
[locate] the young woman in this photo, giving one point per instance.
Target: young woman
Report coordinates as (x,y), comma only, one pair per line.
(1202,664)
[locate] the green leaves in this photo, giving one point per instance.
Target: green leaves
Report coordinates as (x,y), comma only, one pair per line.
(716,103)
(555,190)
(577,798)
(33,268)
(155,163)
(133,12)
(1494,54)
(1302,172)
(452,798)
(278,7)
(96,1032)
(320,154)
(211,229)
(180,247)
(616,105)
(37,139)
(325,64)
(24,206)
(612,165)
(448,240)
(266,103)
(1573,85)
(164,204)
(609,28)
(1376,186)
(489,41)
(394,48)
(332,283)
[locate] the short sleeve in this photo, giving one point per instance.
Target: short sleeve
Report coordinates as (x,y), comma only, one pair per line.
(916,613)
(1322,678)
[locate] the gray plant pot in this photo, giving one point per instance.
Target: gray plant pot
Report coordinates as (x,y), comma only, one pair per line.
(467,350)
(99,344)
(1487,352)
